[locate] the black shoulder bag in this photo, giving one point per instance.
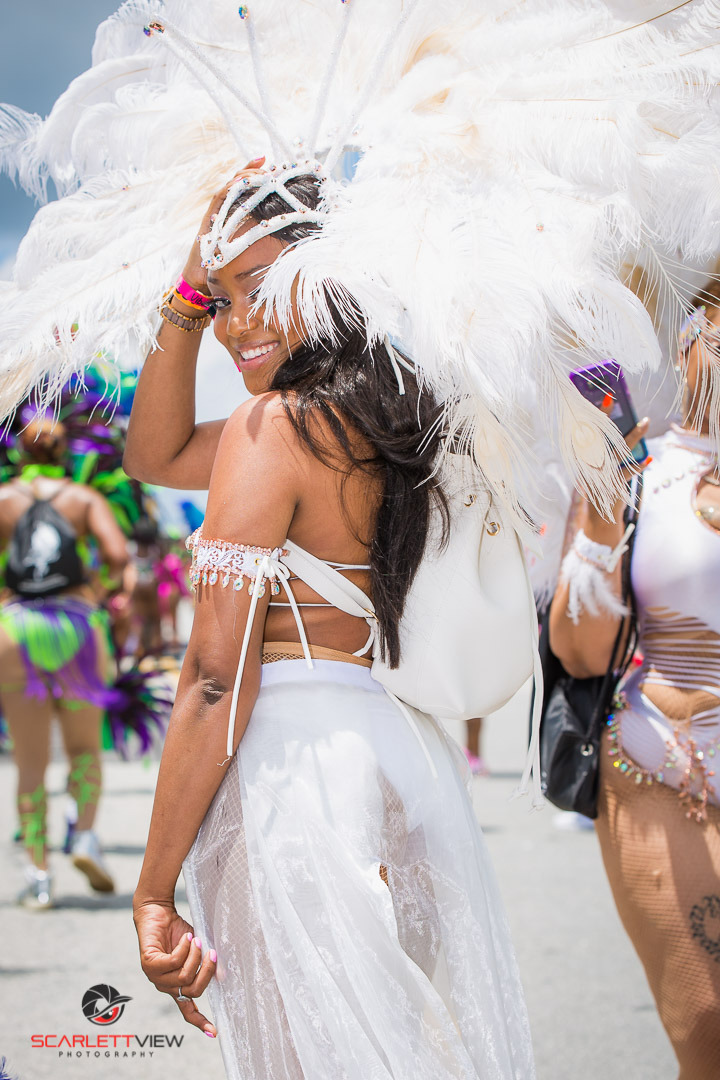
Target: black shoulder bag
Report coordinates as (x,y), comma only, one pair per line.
(575,710)
(43,558)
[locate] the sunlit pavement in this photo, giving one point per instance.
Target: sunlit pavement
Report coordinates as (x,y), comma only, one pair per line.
(591,1011)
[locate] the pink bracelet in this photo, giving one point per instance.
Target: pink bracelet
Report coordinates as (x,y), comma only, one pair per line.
(192,296)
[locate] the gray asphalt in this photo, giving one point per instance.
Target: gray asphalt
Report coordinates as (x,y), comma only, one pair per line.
(591,1012)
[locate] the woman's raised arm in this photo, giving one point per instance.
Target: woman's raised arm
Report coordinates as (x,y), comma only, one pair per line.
(164,444)
(584,646)
(583,642)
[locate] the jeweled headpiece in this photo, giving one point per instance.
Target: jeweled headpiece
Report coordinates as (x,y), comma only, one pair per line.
(222,243)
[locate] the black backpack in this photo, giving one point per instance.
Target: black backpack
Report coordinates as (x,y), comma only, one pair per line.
(42,555)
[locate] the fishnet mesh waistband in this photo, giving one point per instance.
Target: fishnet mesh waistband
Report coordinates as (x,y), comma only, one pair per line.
(291,650)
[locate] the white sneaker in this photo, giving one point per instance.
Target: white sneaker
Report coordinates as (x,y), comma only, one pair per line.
(37,894)
(88,858)
(571,821)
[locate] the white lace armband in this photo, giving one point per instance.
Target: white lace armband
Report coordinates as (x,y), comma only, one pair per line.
(231,564)
(219,560)
(585,569)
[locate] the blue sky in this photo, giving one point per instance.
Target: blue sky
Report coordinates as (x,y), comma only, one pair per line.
(44,44)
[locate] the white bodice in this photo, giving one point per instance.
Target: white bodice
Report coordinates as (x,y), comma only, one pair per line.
(676,585)
(676,568)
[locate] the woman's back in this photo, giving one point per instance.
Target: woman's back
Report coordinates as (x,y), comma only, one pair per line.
(72,501)
(334,520)
(334,516)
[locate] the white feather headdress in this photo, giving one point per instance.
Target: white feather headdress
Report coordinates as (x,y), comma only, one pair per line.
(512,158)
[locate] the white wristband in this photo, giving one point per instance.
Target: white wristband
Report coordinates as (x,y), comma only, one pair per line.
(584,571)
(601,556)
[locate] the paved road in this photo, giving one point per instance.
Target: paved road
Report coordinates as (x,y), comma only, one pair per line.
(591,1012)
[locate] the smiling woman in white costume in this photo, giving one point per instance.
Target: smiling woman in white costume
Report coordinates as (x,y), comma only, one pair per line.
(509,159)
(338,874)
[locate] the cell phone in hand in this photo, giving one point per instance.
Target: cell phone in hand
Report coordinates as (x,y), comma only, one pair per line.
(595,382)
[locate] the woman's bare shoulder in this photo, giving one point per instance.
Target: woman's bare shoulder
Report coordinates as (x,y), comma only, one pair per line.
(259,417)
(9,492)
(259,443)
(262,439)
(261,430)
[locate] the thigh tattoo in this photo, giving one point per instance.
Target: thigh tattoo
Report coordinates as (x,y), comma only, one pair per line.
(705,924)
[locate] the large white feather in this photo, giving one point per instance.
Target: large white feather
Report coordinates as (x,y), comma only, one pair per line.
(514,158)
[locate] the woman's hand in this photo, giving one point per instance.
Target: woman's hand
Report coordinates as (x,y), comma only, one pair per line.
(179,453)
(171,957)
(194,273)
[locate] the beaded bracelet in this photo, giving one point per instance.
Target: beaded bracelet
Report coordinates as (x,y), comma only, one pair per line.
(188,324)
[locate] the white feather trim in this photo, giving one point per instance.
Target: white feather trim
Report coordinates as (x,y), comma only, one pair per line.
(589,589)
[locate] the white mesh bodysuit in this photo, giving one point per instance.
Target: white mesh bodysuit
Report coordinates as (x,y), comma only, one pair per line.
(341,875)
(669,730)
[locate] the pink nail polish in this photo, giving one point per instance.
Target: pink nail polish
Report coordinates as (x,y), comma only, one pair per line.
(209,1034)
(197,942)
(213,956)
(189,937)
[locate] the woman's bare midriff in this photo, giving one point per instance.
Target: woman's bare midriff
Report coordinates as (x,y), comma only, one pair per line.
(678,704)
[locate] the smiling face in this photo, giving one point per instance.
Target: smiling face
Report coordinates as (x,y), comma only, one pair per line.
(257,350)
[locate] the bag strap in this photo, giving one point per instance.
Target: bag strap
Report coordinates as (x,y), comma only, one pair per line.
(532,759)
(614,673)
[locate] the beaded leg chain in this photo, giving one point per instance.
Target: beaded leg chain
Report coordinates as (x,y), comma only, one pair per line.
(33,822)
(693,789)
(84,780)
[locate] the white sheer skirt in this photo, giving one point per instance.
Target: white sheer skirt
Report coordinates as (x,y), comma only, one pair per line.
(349,895)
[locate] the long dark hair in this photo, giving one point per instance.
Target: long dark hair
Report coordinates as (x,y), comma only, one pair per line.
(349,387)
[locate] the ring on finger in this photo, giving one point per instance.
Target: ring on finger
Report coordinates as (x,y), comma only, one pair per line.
(181,996)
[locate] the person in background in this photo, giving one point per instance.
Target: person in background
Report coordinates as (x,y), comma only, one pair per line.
(659,808)
(472,747)
(155,581)
(54,657)
(172,587)
(141,581)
